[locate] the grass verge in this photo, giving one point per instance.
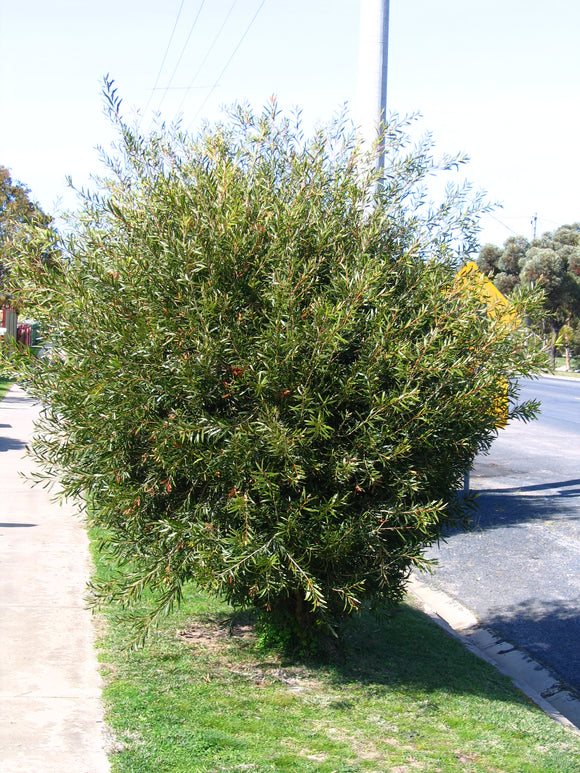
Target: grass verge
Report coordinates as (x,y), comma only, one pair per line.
(5,384)
(203,696)
(574,366)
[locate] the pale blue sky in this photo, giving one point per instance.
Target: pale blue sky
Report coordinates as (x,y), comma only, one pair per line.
(499,80)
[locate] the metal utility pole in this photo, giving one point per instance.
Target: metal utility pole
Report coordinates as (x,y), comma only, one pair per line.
(372,70)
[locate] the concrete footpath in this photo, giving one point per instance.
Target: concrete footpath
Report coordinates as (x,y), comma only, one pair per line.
(51,716)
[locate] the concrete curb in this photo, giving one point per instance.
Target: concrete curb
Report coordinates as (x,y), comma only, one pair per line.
(571,375)
(527,675)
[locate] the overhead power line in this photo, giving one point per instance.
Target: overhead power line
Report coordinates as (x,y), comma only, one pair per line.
(193,26)
(229,61)
(205,58)
(507,227)
(164,56)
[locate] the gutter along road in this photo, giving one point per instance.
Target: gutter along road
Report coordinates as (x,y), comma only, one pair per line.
(518,569)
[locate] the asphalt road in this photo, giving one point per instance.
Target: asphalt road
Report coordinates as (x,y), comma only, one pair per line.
(518,568)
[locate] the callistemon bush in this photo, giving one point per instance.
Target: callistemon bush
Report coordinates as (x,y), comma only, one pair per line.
(264,377)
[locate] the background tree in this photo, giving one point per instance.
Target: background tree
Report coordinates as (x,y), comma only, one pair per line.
(269,382)
(569,340)
(16,211)
(551,262)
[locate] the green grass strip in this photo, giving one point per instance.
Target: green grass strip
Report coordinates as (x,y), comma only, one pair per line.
(5,384)
(201,698)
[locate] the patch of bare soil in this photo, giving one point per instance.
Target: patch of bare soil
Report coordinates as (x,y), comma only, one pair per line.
(213,633)
(217,636)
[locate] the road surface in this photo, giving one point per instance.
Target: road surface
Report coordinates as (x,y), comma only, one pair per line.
(518,569)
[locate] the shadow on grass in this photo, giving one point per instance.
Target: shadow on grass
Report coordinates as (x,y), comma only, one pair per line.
(408,650)
(400,650)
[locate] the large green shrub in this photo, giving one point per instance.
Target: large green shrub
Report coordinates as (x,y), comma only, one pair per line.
(263,377)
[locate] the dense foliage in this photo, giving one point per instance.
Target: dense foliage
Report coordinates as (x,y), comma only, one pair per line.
(264,377)
(552,263)
(17,210)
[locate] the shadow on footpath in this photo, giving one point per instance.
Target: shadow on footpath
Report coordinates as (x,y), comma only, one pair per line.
(17,525)
(536,625)
(10,399)
(11,444)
